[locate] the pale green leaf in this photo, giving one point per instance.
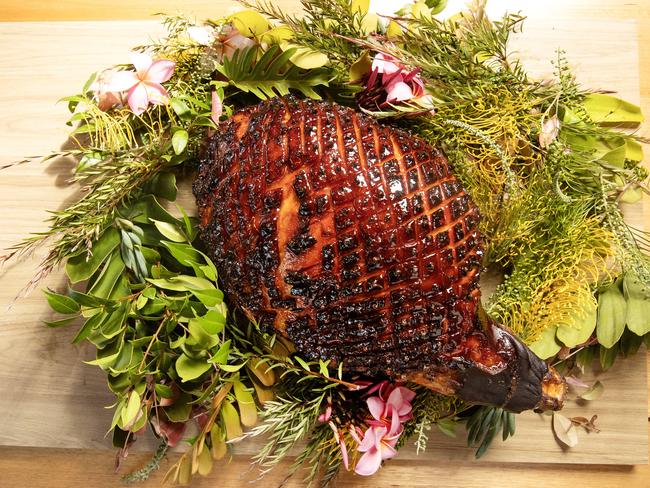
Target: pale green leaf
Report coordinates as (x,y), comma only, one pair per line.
(130,412)
(189,369)
(221,356)
(250,23)
(612,310)
(604,108)
(637,294)
(170,231)
(594,392)
(546,346)
(179,140)
(581,323)
(564,430)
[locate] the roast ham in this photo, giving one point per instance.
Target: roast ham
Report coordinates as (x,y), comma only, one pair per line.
(355,241)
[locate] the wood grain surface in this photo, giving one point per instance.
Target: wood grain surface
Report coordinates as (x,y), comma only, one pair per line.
(52,400)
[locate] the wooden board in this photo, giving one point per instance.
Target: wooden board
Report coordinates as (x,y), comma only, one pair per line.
(50,398)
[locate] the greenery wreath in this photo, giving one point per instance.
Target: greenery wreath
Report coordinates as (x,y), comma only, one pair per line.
(546,162)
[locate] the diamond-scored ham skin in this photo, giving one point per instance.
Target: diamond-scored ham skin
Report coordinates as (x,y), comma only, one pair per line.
(356,242)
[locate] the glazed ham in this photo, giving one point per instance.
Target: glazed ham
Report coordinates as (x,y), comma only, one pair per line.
(356,242)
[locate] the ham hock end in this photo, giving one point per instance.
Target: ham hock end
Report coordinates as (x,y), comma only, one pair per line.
(356,242)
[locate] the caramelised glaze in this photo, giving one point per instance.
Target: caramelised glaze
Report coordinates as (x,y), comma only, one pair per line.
(356,242)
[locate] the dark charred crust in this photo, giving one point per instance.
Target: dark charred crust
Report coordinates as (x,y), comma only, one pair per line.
(355,251)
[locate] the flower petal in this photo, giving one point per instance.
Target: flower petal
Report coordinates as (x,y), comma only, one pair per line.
(384,63)
(138,98)
(200,34)
(376,406)
(236,42)
(141,62)
(369,463)
(156,93)
(121,81)
(344,453)
(387,451)
(399,91)
(217,110)
(160,71)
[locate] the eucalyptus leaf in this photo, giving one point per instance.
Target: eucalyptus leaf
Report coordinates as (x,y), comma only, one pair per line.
(608,356)
(181,409)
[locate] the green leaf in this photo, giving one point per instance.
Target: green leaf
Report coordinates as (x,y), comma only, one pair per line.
(609,109)
(204,330)
(633,150)
(61,303)
(546,346)
(612,310)
(250,23)
(272,75)
(594,392)
(359,6)
(89,326)
(181,409)
(106,357)
(189,369)
(108,277)
(608,356)
(246,403)
(361,67)
(183,253)
(180,107)
(637,295)
(163,391)
(221,356)
(170,231)
(230,419)
(231,368)
(210,297)
(304,57)
(447,427)
(130,412)
(162,185)
(179,140)
(436,6)
(59,323)
(581,323)
(83,266)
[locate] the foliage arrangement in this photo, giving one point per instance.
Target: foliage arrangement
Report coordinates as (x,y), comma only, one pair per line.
(548,164)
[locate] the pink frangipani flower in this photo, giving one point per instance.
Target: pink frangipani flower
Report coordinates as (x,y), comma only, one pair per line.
(378,444)
(389,408)
(144,84)
(399,84)
(230,40)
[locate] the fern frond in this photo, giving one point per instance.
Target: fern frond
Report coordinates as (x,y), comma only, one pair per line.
(272,75)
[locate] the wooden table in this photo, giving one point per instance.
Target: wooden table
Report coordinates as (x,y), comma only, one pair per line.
(35,71)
